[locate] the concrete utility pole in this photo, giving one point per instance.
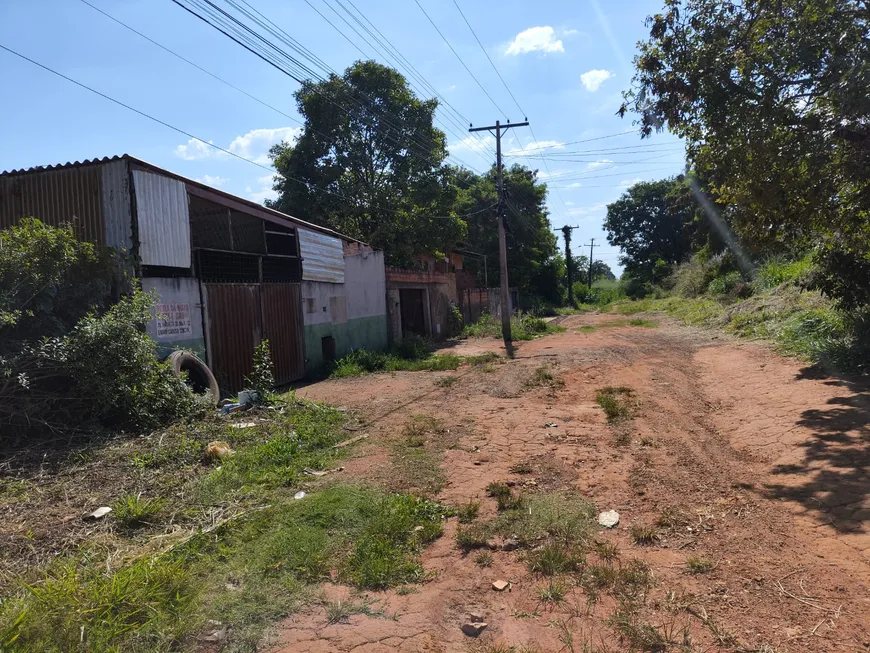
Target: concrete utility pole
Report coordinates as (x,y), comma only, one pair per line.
(502,241)
(591,245)
(569,263)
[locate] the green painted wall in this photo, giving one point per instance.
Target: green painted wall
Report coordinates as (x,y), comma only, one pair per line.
(360,333)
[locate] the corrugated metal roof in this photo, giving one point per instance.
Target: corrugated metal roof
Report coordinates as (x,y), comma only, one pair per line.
(190,182)
(322,257)
(163,220)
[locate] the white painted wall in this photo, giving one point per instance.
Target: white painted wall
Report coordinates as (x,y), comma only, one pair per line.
(179,299)
(364,291)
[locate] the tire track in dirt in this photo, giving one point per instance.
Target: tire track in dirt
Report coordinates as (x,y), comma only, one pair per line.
(725,432)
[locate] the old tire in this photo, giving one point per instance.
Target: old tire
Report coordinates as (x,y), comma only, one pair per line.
(199,376)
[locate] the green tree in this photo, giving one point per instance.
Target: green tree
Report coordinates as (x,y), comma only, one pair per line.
(535,265)
(600,270)
(771,99)
(653,227)
(369,163)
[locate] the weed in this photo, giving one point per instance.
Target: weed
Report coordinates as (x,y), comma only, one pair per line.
(646,441)
(633,580)
(131,510)
(671,518)
(521,468)
(552,592)
(697,565)
(638,322)
(558,516)
(483,559)
(607,551)
(554,558)
(417,456)
(639,635)
(446,381)
(339,612)
(488,368)
(468,512)
(601,577)
(615,402)
(586,328)
(496,490)
(405,590)
(471,537)
(643,535)
(542,377)
(525,327)
(482,359)
(509,502)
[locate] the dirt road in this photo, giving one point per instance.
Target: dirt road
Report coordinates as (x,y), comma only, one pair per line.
(735,456)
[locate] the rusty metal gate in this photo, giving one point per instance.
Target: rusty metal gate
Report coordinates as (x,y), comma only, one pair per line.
(239,316)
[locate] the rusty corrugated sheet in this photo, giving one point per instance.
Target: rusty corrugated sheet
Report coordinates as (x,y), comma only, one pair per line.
(322,256)
(56,196)
(282,317)
(234,329)
(117,209)
(163,220)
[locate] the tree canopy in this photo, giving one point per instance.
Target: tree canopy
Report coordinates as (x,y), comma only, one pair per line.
(653,225)
(771,99)
(370,163)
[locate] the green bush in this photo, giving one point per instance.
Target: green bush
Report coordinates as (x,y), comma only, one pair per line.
(262,380)
(777,271)
(49,280)
(724,285)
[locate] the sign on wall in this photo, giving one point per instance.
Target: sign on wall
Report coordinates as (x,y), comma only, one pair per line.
(174,320)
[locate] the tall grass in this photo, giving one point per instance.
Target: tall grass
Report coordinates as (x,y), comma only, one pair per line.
(523,327)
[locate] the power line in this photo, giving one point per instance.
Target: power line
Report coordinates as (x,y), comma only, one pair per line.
(444,38)
(188,134)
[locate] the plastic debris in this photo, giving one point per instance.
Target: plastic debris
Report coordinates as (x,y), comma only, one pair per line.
(299,495)
(100,512)
(608,518)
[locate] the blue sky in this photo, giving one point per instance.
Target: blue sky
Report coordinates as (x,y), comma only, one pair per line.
(566,62)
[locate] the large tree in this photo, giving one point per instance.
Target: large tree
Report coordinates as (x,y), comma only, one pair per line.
(653,225)
(369,163)
(534,263)
(772,100)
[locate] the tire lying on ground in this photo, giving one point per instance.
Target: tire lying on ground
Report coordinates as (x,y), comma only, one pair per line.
(199,376)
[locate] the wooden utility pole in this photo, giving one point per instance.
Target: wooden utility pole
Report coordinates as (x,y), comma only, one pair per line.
(591,245)
(502,240)
(569,263)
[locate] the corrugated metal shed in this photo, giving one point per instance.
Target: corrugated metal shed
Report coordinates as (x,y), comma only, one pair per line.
(56,196)
(115,190)
(322,257)
(163,220)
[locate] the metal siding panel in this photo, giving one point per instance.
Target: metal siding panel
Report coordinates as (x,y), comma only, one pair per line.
(282,315)
(55,196)
(115,200)
(235,329)
(163,219)
(322,257)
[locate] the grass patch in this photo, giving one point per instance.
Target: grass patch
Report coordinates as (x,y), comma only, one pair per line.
(446,381)
(521,468)
(638,322)
(132,511)
(558,516)
(505,499)
(417,455)
(671,518)
(643,535)
(616,402)
(468,512)
(525,327)
(340,612)
(586,328)
(553,558)
(483,559)
(696,565)
(607,551)
(553,592)
(543,377)
(471,537)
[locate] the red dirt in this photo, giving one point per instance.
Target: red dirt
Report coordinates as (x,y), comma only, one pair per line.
(768,458)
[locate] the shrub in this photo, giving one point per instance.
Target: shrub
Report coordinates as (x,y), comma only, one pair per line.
(725,285)
(455,322)
(262,380)
(615,402)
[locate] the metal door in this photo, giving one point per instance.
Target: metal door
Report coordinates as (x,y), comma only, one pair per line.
(413,315)
(235,327)
(282,322)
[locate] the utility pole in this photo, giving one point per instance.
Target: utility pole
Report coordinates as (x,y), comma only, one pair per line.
(502,240)
(591,245)
(569,263)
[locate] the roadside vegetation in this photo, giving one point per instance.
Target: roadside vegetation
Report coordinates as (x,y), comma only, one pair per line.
(412,354)
(523,327)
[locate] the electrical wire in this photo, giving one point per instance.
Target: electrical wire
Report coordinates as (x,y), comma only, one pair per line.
(188,134)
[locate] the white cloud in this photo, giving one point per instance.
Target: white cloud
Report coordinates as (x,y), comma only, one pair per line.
(535,147)
(570,32)
(626,183)
(598,164)
(212,180)
(575,184)
(535,39)
(263,191)
(195,150)
(593,79)
(256,143)
(588,210)
(253,146)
